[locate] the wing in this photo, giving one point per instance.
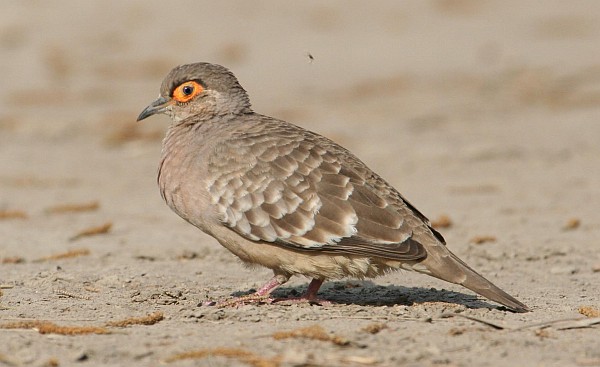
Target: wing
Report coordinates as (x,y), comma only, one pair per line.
(297,189)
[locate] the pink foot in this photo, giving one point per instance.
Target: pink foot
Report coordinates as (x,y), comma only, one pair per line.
(261,295)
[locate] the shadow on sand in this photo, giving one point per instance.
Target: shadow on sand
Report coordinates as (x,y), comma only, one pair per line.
(366,293)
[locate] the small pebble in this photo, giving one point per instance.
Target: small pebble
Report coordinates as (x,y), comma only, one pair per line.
(571,224)
(563,270)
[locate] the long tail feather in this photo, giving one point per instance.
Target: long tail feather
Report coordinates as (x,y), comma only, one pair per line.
(443,264)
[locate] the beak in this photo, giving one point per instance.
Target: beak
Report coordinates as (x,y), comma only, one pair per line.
(158,106)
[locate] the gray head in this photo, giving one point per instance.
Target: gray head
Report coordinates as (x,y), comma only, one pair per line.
(202,90)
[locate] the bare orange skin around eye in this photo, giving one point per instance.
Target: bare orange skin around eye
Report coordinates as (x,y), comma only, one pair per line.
(180,96)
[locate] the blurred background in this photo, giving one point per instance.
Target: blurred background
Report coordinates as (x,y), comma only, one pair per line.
(483,111)
(484,114)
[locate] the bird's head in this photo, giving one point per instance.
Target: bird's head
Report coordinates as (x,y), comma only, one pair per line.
(201,90)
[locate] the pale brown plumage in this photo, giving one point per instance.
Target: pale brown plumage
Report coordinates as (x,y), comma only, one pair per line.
(286,198)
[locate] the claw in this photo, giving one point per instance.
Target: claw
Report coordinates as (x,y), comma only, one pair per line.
(300,300)
(240,301)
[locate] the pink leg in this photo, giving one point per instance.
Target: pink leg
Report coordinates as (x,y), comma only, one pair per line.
(310,296)
(270,286)
(313,288)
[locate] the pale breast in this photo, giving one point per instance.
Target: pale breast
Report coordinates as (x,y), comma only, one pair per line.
(182,176)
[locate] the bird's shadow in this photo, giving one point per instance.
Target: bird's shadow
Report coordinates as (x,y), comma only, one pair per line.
(367,293)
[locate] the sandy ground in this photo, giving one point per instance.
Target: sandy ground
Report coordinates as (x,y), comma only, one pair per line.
(484,112)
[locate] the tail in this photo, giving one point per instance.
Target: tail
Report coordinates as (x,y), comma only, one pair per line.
(443,264)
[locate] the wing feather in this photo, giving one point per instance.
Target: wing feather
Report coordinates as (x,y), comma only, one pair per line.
(300,190)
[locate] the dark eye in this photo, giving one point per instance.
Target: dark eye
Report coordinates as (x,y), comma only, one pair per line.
(187,90)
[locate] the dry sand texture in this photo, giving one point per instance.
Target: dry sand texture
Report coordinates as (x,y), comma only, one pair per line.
(486,115)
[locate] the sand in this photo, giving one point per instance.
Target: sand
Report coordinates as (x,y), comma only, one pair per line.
(485,115)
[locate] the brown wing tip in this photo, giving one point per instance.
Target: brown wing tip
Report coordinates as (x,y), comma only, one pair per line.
(516,306)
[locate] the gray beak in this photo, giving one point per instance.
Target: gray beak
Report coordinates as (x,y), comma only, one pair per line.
(158,106)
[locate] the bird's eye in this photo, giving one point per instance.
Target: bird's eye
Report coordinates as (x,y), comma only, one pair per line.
(186,91)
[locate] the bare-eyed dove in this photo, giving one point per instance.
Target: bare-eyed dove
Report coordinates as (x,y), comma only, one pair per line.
(291,200)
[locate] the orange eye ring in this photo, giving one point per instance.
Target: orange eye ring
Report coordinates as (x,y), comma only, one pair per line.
(186,91)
